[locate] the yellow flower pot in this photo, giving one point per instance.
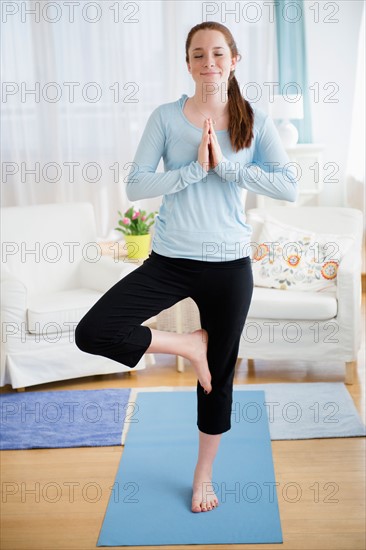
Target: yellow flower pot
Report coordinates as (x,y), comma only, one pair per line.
(138,246)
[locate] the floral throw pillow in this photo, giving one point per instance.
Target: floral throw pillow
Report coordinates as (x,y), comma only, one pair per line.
(291,258)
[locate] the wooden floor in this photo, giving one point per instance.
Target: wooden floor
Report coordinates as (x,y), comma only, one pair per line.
(56,498)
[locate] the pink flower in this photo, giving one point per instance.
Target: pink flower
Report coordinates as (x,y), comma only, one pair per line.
(126,221)
(143,218)
(135,215)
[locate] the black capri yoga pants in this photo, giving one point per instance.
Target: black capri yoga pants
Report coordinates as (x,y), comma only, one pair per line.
(222,292)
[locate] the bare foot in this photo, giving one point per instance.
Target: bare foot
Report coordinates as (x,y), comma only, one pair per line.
(204,498)
(199,358)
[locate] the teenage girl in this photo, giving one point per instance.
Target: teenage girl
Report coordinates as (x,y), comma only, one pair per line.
(214,145)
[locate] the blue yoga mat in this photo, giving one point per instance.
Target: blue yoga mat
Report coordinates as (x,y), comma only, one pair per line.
(150,502)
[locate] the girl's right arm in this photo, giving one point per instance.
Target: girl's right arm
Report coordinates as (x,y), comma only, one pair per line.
(143,182)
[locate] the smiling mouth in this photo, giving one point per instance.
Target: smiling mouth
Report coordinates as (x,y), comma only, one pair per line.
(205,74)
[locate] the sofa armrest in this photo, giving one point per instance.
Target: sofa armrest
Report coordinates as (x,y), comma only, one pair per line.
(104,273)
(13,308)
(349,295)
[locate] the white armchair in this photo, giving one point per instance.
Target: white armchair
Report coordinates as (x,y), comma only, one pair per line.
(313,326)
(289,324)
(52,272)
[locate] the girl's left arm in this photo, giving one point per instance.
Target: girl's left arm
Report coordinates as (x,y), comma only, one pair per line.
(269,173)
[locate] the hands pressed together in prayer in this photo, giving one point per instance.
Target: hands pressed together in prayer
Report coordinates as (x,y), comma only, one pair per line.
(209,151)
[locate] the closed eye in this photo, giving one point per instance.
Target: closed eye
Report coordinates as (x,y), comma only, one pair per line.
(218,54)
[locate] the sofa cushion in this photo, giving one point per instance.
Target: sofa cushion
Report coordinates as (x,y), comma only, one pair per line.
(270,303)
(291,258)
(57,312)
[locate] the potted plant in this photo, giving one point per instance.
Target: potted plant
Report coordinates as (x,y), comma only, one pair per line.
(135,225)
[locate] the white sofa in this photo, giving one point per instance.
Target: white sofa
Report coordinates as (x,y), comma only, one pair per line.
(52,272)
(291,325)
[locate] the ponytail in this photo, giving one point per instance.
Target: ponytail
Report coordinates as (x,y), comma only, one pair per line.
(241,117)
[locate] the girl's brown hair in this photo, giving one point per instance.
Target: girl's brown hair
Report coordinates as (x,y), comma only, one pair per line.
(241,116)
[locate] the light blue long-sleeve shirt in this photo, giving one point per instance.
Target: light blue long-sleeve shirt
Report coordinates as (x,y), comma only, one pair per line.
(201,216)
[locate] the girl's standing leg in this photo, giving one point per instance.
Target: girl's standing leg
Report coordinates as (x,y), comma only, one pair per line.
(223,299)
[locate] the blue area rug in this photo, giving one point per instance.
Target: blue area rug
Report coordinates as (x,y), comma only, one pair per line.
(74,418)
(309,410)
(151,499)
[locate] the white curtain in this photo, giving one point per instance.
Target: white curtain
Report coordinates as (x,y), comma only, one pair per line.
(355,180)
(97,75)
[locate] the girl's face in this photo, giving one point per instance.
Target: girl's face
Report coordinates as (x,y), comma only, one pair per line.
(210,58)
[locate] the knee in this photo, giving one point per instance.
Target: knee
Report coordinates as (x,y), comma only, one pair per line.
(91,336)
(85,336)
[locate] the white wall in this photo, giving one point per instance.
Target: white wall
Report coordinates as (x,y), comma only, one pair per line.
(332,57)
